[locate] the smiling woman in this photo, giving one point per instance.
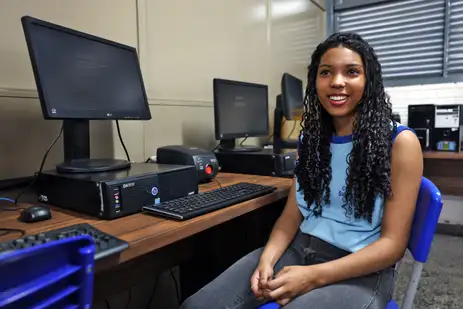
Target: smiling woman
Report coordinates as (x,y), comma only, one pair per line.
(340,68)
(348,215)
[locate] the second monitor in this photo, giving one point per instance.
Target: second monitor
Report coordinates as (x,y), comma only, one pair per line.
(240,110)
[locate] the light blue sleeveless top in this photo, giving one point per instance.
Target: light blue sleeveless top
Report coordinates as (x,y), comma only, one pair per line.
(333,226)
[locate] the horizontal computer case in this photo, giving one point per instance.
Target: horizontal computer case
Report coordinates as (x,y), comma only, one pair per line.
(116,194)
(265,162)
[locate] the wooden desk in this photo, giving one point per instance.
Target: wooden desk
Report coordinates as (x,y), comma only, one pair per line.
(146,233)
(443,155)
(151,238)
(445,169)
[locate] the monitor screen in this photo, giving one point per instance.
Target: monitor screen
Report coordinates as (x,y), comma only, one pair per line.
(80,76)
(240,109)
(292,95)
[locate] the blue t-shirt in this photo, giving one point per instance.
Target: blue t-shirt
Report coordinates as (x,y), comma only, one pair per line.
(347,233)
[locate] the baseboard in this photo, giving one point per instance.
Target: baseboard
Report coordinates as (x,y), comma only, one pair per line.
(450,229)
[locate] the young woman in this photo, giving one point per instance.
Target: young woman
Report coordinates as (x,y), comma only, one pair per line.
(349,212)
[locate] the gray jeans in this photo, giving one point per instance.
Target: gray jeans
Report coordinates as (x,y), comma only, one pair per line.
(231,289)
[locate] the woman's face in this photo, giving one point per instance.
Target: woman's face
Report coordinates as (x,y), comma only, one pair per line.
(340,81)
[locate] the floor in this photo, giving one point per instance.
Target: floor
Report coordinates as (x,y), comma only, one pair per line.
(441,284)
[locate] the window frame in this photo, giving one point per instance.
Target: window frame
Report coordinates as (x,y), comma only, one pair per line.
(339,5)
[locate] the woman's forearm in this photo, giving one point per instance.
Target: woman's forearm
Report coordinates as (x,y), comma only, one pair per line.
(379,255)
(282,234)
(284,229)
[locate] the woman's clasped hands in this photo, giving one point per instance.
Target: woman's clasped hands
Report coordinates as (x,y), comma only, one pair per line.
(286,285)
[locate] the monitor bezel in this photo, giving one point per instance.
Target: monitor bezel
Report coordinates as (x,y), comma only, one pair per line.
(218,135)
(27,23)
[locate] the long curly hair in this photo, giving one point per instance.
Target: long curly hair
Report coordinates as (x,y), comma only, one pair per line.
(369,162)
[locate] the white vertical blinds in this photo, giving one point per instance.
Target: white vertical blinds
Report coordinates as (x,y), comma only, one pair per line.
(455,49)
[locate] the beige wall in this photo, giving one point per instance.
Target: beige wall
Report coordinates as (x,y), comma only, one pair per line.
(182,44)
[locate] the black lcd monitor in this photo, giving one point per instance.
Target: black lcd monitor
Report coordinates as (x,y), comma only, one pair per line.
(82,77)
(240,110)
(292,96)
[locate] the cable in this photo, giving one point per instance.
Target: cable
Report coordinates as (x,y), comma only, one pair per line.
(122,141)
(215,148)
(318,5)
(8,231)
(41,166)
(292,131)
(130,299)
(108,305)
(217,182)
(176,285)
(241,144)
(7,208)
(150,300)
(11,209)
(273,133)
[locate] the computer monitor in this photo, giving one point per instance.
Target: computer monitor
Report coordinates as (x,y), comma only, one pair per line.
(81,77)
(290,106)
(240,110)
(292,96)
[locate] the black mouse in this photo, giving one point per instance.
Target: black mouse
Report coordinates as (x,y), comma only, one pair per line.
(35,214)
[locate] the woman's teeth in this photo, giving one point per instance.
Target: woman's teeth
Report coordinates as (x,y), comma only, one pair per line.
(338,98)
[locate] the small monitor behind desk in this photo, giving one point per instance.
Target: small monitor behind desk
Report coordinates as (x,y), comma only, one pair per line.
(292,96)
(81,77)
(289,106)
(240,110)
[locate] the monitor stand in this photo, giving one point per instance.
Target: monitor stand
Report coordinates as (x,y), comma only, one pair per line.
(77,151)
(229,145)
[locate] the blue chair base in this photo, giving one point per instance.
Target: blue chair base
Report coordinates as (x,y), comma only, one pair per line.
(392,305)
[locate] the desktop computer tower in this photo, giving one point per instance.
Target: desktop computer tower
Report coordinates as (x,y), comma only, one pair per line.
(421,120)
(265,162)
(438,127)
(447,128)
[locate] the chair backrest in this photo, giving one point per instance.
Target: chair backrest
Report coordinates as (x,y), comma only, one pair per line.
(428,209)
(57,274)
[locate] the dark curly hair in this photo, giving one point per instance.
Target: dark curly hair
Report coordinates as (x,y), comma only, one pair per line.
(368,174)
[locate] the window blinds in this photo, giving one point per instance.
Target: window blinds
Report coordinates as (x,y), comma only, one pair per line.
(408,36)
(455,47)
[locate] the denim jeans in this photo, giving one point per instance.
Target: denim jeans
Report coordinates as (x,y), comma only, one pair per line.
(231,289)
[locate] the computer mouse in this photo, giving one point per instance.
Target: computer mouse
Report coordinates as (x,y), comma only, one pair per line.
(35,214)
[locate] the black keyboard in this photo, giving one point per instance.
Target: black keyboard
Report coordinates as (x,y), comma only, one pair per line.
(105,245)
(198,204)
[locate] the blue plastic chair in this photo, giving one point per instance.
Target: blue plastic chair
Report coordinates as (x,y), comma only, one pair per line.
(428,209)
(58,274)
